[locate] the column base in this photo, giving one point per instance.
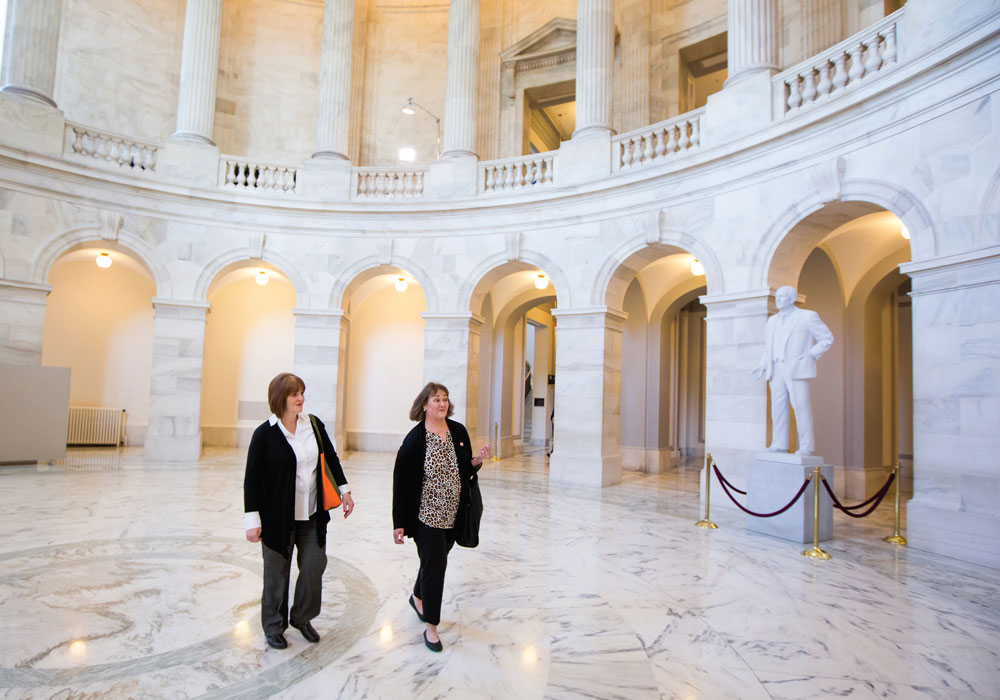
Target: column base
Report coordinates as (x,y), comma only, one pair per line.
(189,162)
(972,537)
(580,470)
(31,125)
(584,158)
(173,448)
(452,178)
(741,108)
(325,178)
(772,479)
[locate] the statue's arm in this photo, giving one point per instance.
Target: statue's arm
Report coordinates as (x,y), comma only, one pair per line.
(821,334)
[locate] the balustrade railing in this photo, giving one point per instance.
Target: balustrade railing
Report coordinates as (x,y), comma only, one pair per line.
(517,174)
(655,143)
(387,183)
(237,173)
(839,68)
(110,149)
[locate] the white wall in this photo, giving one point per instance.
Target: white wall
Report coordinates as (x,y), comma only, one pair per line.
(634,384)
(99,323)
(249,338)
(384,363)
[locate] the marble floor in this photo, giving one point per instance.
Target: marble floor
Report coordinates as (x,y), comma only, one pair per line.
(121,578)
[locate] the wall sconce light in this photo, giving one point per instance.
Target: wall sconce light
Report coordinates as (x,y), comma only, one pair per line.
(697,269)
(411,107)
(407,154)
(261,278)
(401,284)
(541,282)
(104,260)
(904,232)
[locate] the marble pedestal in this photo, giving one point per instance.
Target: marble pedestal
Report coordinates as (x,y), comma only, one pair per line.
(772,479)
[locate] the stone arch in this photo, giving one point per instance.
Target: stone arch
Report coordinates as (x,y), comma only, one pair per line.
(354,275)
(57,245)
(473,289)
(788,242)
(634,253)
(233,258)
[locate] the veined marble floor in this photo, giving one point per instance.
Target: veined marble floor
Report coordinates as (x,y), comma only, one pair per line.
(121,578)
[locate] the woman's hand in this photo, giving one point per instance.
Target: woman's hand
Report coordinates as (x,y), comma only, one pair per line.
(397,535)
(253,534)
(348,504)
(483,454)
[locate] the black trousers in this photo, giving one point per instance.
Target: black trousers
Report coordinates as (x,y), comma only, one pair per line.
(311,560)
(433,545)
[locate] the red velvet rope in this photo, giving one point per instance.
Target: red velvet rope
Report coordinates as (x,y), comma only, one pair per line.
(722,481)
(847,509)
(725,481)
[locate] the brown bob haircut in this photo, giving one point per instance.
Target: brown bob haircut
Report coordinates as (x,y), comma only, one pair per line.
(280,388)
(417,410)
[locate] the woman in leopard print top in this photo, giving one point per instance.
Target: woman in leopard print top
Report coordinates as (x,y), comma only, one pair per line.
(433,468)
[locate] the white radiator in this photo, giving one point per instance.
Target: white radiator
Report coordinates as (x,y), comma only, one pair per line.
(95,426)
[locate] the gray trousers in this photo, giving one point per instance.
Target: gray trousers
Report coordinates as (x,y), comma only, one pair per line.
(311,560)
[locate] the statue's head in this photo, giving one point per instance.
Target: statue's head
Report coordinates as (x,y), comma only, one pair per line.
(785,297)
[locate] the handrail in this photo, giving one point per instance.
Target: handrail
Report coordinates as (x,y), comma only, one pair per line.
(653,143)
(509,175)
(387,183)
(239,173)
(110,148)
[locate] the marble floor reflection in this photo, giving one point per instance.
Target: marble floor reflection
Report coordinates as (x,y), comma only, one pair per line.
(122,578)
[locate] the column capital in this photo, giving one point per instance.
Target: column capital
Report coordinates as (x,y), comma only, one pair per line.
(590,317)
(973,268)
(321,318)
(738,304)
(181,308)
(24,292)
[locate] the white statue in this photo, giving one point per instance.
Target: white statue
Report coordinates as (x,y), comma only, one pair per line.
(795,339)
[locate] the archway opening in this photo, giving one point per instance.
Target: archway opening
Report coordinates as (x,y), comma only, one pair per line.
(384,361)
(249,338)
(99,323)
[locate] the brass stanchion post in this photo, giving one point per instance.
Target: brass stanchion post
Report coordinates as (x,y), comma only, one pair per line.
(815,552)
(496,443)
(895,537)
(706,523)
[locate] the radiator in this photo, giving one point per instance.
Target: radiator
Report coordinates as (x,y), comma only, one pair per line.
(95,426)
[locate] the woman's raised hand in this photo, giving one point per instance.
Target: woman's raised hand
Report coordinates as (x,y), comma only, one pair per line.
(483,454)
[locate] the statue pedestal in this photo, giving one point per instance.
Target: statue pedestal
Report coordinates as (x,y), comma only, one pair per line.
(772,480)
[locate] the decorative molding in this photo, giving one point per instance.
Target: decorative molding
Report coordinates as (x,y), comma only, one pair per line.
(551,44)
(385,248)
(514,244)
(257,241)
(828,179)
(111,224)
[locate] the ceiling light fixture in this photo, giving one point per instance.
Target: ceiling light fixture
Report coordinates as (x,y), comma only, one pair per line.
(261,277)
(697,269)
(541,282)
(401,284)
(104,260)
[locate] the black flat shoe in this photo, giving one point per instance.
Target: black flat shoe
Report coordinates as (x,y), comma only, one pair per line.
(414,606)
(277,641)
(308,631)
(433,646)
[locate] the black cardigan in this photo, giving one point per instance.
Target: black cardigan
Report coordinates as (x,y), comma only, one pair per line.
(269,485)
(408,474)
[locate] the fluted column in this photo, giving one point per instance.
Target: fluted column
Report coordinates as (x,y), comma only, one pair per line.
(199,71)
(595,57)
(752,37)
(460,91)
(31,40)
(333,120)
(822,25)
(635,17)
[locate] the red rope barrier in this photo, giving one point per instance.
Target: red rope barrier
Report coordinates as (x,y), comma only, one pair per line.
(723,482)
(847,509)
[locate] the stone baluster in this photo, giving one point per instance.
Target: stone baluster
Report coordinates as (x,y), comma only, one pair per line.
(333,120)
(873,61)
(460,89)
(199,71)
(825,85)
(32,41)
(857,70)
(839,71)
(595,54)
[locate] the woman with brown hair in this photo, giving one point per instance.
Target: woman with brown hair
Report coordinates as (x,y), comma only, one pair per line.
(284,510)
(434,467)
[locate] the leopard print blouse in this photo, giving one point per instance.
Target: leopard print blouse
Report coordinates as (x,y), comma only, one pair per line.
(442,483)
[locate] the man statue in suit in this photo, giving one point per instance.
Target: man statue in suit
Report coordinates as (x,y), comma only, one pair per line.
(794,339)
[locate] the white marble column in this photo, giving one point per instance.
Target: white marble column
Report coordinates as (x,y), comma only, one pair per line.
(822,25)
(174,432)
(321,361)
(735,402)
(753,37)
(451,357)
(586,429)
(595,59)
(955,509)
(199,71)
(460,90)
(333,121)
(31,42)
(22,322)
(635,17)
